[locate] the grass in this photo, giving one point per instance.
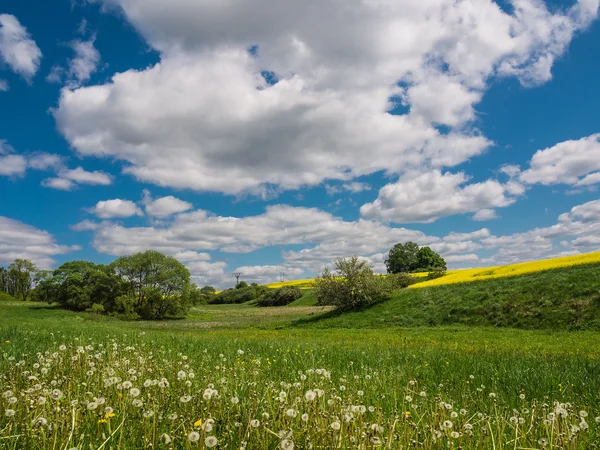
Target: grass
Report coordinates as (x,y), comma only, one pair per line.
(301,376)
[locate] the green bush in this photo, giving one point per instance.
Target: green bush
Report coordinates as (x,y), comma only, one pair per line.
(353,285)
(402,280)
(4,297)
(238,295)
(280,297)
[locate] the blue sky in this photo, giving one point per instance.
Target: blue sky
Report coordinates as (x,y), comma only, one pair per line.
(267,136)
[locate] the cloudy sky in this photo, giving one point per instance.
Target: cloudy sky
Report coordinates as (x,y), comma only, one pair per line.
(268,136)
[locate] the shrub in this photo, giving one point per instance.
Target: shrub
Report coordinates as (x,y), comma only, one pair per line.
(280,297)
(234,296)
(402,280)
(436,273)
(353,285)
(4,297)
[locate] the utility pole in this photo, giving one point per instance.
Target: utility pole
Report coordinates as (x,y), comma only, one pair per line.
(282,276)
(237,276)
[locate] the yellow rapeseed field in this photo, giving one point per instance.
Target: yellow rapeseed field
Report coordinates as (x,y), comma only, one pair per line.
(482,273)
(485,273)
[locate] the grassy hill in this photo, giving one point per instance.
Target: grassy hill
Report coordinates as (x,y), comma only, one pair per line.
(566,298)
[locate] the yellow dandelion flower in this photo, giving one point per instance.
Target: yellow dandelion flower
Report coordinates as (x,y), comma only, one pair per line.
(198,423)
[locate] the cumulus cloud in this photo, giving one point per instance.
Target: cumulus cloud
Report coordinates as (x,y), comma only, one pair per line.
(164,206)
(339,68)
(485,214)
(268,273)
(10,164)
(574,162)
(68,179)
(115,208)
(18,50)
(425,197)
(19,240)
(85,62)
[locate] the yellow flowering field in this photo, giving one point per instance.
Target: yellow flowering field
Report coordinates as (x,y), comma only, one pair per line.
(485,273)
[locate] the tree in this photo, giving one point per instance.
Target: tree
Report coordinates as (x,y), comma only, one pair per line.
(402,258)
(22,275)
(405,258)
(156,285)
(352,285)
(79,285)
(428,260)
(241,285)
(208,290)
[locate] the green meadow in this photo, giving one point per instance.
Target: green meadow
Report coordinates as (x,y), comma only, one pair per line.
(303,376)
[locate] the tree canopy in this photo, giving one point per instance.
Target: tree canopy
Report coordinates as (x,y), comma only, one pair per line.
(409,257)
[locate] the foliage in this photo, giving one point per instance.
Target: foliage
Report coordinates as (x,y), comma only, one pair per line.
(560,299)
(280,297)
(402,258)
(207,290)
(352,285)
(20,278)
(241,285)
(409,257)
(429,261)
(156,285)
(4,297)
(238,295)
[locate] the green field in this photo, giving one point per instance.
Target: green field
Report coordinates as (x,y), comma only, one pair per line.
(240,376)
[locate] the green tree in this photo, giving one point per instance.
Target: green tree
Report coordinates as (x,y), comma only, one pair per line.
(402,258)
(79,285)
(156,285)
(352,285)
(208,290)
(428,260)
(22,276)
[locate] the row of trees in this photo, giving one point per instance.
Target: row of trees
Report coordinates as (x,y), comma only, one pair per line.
(146,285)
(19,278)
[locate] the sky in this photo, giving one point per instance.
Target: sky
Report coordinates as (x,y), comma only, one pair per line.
(274,136)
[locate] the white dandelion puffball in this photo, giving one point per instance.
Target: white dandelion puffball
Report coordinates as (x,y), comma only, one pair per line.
(210,441)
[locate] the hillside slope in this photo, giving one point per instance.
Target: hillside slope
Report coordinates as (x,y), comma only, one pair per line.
(566,298)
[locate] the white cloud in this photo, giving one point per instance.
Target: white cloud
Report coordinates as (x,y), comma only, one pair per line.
(353,187)
(82,176)
(268,273)
(89,225)
(19,240)
(425,197)
(485,214)
(575,162)
(61,184)
(17,49)
(116,208)
(68,179)
(45,161)
(471,257)
(339,66)
(85,62)
(164,206)
(11,165)
(3,85)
